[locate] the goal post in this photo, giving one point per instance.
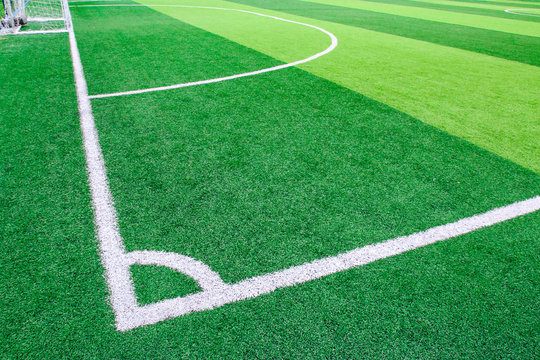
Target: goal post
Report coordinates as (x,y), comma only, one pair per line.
(32,16)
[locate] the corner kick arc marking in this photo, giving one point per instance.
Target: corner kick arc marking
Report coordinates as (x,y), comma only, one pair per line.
(116,261)
(333,45)
(265,284)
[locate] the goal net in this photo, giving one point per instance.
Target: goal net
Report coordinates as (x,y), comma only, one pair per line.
(32,16)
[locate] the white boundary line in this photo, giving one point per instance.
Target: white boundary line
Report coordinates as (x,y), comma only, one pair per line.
(105,219)
(512,11)
(264,284)
(333,45)
(35,32)
(215,292)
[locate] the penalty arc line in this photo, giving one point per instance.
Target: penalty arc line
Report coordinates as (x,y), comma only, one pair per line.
(333,45)
(116,261)
(513,11)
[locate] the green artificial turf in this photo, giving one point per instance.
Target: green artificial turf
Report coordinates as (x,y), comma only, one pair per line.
(499,5)
(250,176)
(445,5)
(535,13)
(50,270)
(508,4)
(136,58)
(278,180)
(513,26)
(156,283)
(494,43)
(433,83)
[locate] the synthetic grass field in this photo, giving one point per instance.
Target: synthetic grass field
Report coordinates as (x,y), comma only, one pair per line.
(265,191)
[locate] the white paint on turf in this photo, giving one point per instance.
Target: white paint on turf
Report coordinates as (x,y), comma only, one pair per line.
(215,292)
(110,242)
(116,260)
(264,284)
(515,12)
(197,270)
(37,32)
(333,45)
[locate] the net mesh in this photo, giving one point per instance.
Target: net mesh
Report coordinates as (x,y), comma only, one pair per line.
(27,16)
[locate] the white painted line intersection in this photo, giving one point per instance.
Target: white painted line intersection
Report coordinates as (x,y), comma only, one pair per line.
(117,261)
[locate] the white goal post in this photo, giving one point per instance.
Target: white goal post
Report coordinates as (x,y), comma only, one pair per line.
(32,16)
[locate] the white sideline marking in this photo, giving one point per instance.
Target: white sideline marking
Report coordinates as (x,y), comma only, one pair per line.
(116,260)
(512,11)
(112,247)
(215,292)
(333,45)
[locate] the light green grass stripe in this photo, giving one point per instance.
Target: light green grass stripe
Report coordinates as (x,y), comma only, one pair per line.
(478,5)
(482,22)
(497,13)
(517,2)
(502,3)
(491,102)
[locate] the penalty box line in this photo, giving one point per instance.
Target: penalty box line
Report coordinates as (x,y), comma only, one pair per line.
(215,292)
(331,47)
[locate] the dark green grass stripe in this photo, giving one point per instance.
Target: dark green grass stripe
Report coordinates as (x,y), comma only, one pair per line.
(261,173)
(520,48)
(286,169)
(134,50)
(460,9)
